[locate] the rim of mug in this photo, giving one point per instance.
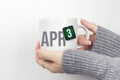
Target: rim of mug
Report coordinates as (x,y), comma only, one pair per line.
(68,18)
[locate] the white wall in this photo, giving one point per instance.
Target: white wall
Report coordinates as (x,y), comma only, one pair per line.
(19,32)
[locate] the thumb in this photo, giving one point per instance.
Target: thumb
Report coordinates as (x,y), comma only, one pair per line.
(90,26)
(37,46)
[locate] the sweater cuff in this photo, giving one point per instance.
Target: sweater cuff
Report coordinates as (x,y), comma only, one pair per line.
(85,63)
(106,42)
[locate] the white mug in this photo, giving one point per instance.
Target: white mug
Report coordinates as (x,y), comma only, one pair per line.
(52,37)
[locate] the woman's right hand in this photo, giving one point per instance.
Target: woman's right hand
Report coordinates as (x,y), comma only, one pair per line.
(87,44)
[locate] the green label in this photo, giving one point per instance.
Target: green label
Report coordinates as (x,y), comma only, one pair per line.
(69,32)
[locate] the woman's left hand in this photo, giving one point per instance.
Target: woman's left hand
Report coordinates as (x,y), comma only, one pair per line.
(51,60)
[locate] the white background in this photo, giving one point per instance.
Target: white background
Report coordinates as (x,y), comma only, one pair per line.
(19,32)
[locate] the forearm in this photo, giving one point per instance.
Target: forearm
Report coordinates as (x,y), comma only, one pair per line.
(106,42)
(90,64)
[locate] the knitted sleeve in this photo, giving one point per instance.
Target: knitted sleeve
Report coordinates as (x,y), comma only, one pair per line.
(106,42)
(89,63)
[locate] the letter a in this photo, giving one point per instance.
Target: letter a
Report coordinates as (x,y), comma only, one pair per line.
(44,39)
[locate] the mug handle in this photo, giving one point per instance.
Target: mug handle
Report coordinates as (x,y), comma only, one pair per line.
(86,32)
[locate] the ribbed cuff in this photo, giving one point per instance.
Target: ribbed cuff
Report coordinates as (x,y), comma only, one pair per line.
(85,63)
(106,42)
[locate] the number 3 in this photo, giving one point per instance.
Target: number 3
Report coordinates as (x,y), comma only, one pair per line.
(69,33)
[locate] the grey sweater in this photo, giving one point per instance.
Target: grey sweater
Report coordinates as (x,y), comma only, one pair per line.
(102,62)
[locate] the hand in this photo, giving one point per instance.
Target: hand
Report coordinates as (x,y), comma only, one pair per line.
(51,60)
(87,44)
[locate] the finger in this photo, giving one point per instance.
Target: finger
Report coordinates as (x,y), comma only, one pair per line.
(83,36)
(37,55)
(41,61)
(45,54)
(49,66)
(82,48)
(37,46)
(83,41)
(91,38)
(91,26)
(45,64)
(44,60)
(38,58)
